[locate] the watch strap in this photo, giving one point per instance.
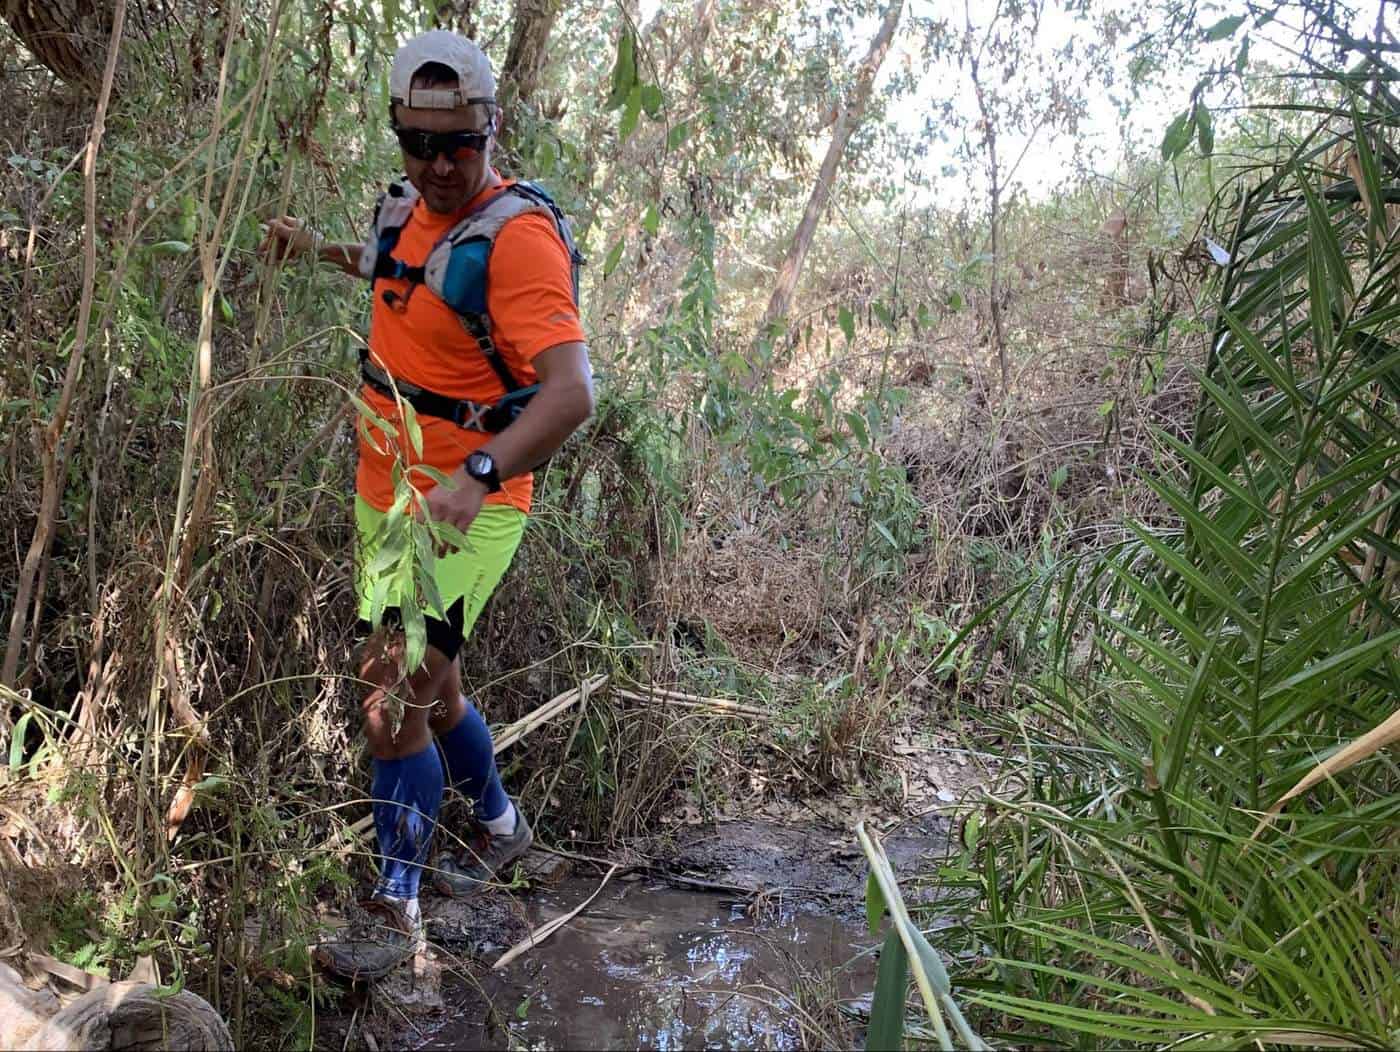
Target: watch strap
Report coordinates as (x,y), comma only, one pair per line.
(490,479)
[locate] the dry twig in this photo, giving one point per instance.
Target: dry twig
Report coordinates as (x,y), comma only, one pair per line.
(544,931)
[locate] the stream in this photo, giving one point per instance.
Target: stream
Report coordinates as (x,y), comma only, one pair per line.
(652,965)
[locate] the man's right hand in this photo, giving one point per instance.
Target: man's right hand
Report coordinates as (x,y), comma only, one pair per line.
(288,238)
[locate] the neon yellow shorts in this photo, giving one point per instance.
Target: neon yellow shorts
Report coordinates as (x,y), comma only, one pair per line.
(465,578)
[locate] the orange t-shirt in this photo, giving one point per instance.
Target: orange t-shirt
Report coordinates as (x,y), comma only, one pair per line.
(531,304)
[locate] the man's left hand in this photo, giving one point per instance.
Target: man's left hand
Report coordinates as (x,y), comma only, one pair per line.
(456,502)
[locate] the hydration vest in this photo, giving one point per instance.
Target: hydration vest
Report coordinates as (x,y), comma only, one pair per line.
(455,271)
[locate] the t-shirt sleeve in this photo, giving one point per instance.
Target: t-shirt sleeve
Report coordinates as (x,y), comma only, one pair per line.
(530,290)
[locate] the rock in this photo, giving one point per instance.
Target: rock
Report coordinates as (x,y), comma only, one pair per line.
(543,869)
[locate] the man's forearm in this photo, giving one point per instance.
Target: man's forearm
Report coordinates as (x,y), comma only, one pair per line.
(344,256)
(551,417)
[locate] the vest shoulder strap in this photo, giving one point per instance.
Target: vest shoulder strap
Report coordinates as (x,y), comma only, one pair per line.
(457,266)
(391,213)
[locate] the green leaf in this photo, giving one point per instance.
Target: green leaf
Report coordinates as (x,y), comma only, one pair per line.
(414,429)
(614,257)
(379,598)
(630,114)
(651,221)
(1371,181)
(415,634)
(677,135)
(1205,130)
(1058,477)
(847,321)
(453,537)
(438,476)
(874,903)
(1224,28)
(624,72)
(882,313)
(17,740)
(886,1033)
(736,363)
(1208,587)
(545,156)
(369,415)
(972,831)
(652,101)
(1359,654)
(1324,237)
(955,301)
(856,422)
(1177,135)
(169,248)
(932,963)
(1105,407)
(225,309)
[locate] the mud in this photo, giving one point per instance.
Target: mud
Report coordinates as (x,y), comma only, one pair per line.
(751,934)
(810,865)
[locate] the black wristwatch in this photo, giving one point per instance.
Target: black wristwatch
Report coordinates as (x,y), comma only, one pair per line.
(482,467)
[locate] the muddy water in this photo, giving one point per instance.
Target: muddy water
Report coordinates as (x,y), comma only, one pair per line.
(653,966)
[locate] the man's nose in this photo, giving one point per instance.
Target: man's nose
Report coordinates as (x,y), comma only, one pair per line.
(442,167)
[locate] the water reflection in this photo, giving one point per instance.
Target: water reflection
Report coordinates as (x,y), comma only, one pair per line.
(657,967)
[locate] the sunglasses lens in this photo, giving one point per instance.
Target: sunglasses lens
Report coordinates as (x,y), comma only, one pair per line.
(414,143)
(425,146)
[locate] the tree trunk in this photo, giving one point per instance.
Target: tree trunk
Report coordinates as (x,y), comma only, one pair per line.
(67,36)
(56,444)
(532,22)
(994,175)
(847,121)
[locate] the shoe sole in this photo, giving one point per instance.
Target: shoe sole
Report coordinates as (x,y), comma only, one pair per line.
(359,975)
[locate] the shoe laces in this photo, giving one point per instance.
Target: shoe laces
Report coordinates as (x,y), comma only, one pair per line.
(376,913)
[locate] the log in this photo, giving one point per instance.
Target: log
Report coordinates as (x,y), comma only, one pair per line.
(117,1016)
(22,1010)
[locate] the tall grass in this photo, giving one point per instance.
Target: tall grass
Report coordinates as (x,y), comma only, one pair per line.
(1199,670)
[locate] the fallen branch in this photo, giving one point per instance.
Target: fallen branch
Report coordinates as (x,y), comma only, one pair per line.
(544,931)
(513,732)
(83,980)
(675,699)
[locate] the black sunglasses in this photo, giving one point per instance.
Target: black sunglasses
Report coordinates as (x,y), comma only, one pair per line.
(426,145)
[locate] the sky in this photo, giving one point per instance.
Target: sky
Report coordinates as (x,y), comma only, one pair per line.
(1105,137)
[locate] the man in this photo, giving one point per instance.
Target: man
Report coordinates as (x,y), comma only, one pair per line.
(459,366)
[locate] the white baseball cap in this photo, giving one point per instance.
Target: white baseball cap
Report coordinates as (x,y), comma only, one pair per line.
(476,84)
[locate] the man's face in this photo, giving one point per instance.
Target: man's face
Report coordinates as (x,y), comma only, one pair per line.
(447,183)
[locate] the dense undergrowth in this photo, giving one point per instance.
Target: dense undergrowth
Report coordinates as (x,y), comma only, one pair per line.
(1183,854)
(806,522)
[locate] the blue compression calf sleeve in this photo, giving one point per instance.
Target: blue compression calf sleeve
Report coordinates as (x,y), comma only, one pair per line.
(407,794)
(471,765)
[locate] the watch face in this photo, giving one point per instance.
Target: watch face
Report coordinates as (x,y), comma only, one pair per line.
(481,463)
